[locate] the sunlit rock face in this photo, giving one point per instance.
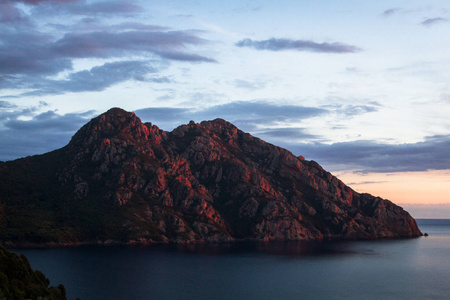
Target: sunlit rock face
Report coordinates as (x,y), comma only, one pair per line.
(121,180)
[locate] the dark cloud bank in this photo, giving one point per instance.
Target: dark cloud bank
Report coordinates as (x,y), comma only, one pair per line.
(26,59)
(370,156)
(30,56)
(44,132)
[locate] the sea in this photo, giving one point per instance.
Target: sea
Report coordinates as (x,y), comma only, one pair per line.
(416,268)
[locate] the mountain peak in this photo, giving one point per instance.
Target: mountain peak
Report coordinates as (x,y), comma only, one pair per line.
(116,122)
(117,111)
(118,118)
(218,123)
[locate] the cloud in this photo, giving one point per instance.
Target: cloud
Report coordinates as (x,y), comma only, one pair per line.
(50,121)
(262,109)
(287,134)
(433,21)
(260,117)
(90,24)
(249,109)
(249,85)
(9,14)
(42,133)
(24,53)
(35,53)
(106,7)
(365,182)
(135,26)
(28,58)
(97,79)
(77,7)
(251,115)
(31,54)
(354,110)
(180,56)
(391,11)
(6,104)
(162,114)
(274,44)
(370,156)
(102,44)
(9,111)
(36,2)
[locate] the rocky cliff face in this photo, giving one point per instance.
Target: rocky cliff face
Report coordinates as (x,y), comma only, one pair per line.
(122,180)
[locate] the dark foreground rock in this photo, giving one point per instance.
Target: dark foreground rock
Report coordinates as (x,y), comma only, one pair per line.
(122,181)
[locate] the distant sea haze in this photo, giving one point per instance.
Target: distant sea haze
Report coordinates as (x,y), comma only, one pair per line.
(428,211)
(383,269)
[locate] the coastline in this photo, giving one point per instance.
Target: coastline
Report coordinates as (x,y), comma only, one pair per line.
(52,245)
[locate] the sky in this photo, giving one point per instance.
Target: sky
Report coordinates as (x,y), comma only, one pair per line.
(361,87)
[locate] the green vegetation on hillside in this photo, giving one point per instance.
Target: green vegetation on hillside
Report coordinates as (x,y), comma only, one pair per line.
(18,281)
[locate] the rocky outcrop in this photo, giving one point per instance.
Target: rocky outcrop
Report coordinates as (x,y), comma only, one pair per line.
(125,181)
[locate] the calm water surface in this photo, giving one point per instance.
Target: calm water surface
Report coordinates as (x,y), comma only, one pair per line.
(396,269)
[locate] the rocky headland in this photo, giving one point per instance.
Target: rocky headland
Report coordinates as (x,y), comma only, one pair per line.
(123,181)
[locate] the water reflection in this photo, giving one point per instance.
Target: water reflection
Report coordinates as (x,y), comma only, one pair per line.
(400,269)
(291,248)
